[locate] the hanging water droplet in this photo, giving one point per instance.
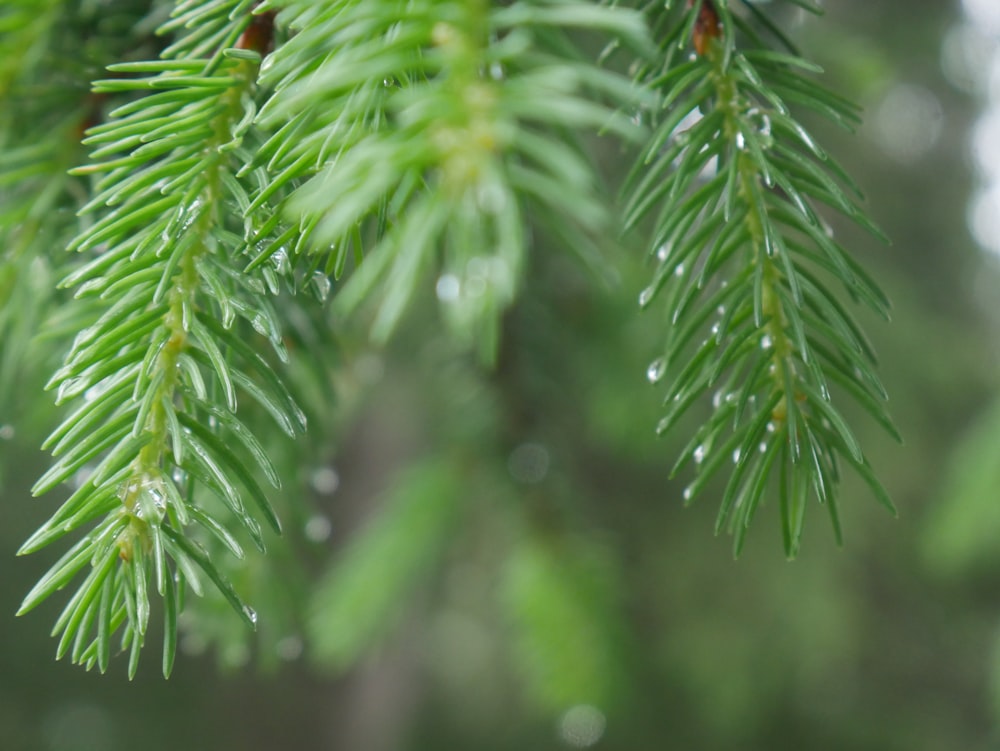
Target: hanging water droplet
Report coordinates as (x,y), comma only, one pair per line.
(280,260)
(736,456)
(679,270)
(765,125)
(721,310)
(251,615)
(716,328)
(688,493)
(741,142)
(663,251)
(699,453)
(771,427)
(762,447)
(662,426)
(717,399)
(656,369)
(766,342)
(646,296)
(321,283)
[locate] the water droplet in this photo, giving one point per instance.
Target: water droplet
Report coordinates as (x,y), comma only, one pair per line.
(741,143)
(679,271)
(6,432)
(529,463)
(771,427)
(325,480)
(491,197)
(688,493)
(699,453)
(663,251)
(190,215)
(717,399)
(656,369)
(646,296)
(763,447)
(289,648)
(721,310)
(582,726)
(716,328)
(662,425)
(766,342)
(765,125)
(67,389)
(448,288)
(251,615)
(318,528)
(321,283)
(736,456)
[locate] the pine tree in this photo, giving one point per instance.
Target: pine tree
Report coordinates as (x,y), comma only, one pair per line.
(258,175)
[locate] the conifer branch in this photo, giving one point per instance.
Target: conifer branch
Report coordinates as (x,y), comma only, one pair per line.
(738,187)
(427,130)
(156,377)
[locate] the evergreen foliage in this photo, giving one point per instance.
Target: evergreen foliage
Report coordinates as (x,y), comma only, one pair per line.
(384,150)
(740,242)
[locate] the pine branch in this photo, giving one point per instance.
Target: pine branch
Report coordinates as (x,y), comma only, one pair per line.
(156,377)
(738,187)
(426,131)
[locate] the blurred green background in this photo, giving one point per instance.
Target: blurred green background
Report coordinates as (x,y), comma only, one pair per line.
(506,551)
